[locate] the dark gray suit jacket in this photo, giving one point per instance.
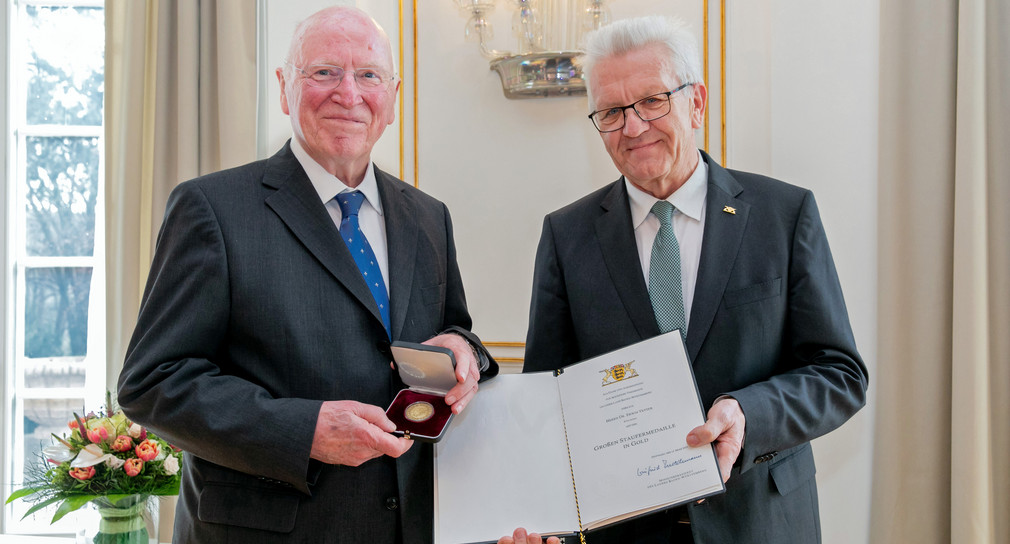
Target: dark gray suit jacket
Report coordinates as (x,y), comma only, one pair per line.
(768,327)
(255,313)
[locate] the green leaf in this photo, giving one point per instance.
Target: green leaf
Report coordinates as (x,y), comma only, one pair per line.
(171,488)
(23,493)
(72,504)
(40,506)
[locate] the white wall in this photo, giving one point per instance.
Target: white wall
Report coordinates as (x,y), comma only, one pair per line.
(801,106)
(804,87)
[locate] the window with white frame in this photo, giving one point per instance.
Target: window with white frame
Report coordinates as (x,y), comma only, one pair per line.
(54,243)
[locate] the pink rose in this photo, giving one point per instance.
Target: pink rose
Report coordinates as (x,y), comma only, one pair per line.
(122,443)
(133,467)
(83,473)
(147,450)
(98,434)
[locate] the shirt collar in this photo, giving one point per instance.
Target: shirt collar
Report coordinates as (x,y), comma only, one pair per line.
(689,199)
(328,186)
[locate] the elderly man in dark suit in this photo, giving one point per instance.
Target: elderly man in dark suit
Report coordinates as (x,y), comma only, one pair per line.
(738,262)
(262,346)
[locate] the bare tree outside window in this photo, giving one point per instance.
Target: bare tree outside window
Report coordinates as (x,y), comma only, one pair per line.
(62,179)
(66,69)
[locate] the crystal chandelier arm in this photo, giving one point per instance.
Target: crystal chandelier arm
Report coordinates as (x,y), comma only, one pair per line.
(493,54)
(477,27)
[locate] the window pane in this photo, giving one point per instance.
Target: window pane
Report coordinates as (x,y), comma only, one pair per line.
(65,65)
(56,311)
(43,418)
(62,177)
(49,372)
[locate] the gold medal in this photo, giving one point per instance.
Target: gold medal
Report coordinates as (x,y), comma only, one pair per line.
(419,411)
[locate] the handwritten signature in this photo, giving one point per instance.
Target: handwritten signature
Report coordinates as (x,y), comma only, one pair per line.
(665,464)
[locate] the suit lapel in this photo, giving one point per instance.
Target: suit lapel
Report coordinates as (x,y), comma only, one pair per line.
(616,235)
(297,204)
(401,241)
(720,245)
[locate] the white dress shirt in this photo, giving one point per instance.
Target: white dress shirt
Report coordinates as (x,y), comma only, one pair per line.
(369,217)
(688,227)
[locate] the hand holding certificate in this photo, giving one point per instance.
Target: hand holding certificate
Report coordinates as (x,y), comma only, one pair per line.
(600,442)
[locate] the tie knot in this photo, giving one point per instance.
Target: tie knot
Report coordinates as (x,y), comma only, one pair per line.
(663,210)
(350,202)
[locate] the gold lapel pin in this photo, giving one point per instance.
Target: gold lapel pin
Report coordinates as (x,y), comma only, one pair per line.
(729,209)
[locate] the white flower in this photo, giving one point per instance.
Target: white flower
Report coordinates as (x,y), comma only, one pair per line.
(92,455)
(135,431)
(58,453)
(113,461)
(171,465)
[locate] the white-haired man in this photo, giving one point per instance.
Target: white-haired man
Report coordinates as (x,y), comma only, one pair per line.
(738,262)
(263,343)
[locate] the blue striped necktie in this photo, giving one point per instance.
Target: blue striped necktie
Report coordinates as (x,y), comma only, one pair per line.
(665,290)
(362,253)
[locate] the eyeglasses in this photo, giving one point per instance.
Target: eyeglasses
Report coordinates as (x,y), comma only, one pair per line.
(326,76)
(649,108)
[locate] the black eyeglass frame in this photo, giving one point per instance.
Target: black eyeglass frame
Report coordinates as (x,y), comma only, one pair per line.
(624,109)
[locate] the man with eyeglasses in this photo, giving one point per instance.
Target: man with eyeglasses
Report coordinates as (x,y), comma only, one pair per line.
(263,343)
(738,262)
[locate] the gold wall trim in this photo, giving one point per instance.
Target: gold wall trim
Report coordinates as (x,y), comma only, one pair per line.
(414,92)
(505,344)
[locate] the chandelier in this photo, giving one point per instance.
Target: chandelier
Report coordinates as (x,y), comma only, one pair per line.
(548,34)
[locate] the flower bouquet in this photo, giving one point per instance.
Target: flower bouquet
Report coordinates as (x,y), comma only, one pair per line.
(107,460)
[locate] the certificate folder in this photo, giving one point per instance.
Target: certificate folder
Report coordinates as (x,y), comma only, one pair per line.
(599,442)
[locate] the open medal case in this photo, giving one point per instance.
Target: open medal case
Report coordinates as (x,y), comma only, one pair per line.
(429,372)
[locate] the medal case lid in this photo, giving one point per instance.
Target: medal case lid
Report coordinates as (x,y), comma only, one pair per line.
(430,369)
(429,373)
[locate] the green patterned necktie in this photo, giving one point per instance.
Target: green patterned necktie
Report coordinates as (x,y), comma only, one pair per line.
(664,274)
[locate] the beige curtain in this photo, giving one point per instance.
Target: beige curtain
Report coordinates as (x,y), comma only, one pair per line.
(942,445)
(180,101)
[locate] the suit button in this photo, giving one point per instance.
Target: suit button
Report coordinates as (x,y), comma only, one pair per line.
(392,503)
(384,349)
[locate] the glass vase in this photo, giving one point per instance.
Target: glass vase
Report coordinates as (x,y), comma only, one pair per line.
(121,522)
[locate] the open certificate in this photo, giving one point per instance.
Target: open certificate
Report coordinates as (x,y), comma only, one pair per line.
(599,442)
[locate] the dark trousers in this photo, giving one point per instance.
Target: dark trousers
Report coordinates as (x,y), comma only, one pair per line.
(663,528)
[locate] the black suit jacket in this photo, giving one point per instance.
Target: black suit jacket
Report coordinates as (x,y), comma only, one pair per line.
(768,327)
(255,313)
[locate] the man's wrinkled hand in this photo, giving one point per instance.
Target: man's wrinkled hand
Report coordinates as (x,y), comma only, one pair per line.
(350,433)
